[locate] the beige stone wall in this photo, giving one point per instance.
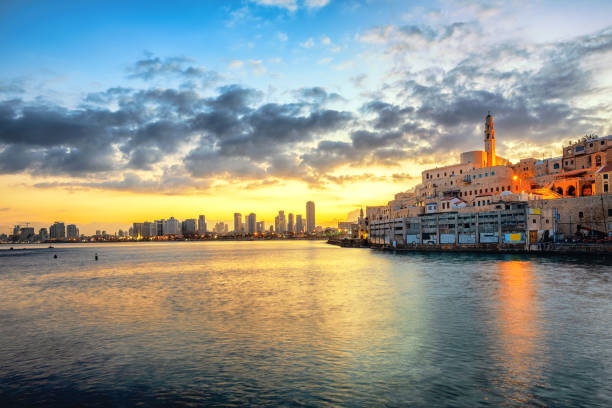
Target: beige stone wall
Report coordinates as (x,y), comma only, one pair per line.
(591,212)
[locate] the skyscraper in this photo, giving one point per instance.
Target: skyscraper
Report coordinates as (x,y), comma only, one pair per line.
(72,231)
(201,225)
(310,217)
(57,230)
(299,225)
(237,223)
(251,223)
(188,226)
(290,223)
(282,223)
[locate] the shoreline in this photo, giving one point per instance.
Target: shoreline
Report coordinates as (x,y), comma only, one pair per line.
(582,249)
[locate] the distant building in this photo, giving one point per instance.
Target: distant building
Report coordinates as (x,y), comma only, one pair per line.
(172,227)
(43,234)
(280,224)
(299,225)
(237,223)
(290,223)
(310,217)
(251,223)
(72,232)
(149,229)
(137,229)
(261,227)
(201,225)
(57,231)
(26,234)
(188,227)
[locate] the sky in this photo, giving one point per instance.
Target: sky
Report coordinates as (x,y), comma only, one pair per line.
(120,112)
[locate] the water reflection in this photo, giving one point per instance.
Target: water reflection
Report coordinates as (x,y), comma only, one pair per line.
(521,357)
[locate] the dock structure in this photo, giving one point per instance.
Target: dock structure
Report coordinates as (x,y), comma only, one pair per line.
(505,228)
(520,226)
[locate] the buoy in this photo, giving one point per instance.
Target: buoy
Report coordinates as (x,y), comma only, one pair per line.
(55,256)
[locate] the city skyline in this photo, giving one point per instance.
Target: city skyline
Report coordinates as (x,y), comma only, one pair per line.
(265,104)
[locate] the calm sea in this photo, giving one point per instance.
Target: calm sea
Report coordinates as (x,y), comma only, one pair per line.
(301,324)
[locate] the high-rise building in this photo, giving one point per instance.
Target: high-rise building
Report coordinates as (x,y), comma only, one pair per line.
(290,223)
(137,229)
(251,223)
(159,227)
(26,234)
(261,227)
(201,225)
(72,232)
(57,230)
(149,229)
(43,234)
(299,225)
(16,229)
(310,217)
(188,227)
(172,226)
(282,223)
(237,223)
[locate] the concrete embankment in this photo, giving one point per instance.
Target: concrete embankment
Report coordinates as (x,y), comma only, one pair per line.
(604,249)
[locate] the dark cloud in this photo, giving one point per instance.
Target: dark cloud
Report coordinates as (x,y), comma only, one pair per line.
(318,96)
(388,116)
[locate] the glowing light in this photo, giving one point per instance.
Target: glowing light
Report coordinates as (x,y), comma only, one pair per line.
(515,178)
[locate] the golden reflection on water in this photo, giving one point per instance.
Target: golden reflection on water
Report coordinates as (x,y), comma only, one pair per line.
(519,327)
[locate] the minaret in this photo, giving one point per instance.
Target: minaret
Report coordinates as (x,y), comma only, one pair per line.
(489,140)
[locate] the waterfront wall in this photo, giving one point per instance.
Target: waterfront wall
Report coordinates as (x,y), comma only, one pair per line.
(512,226)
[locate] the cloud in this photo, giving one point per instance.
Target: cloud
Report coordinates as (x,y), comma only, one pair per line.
(309,43)
(326,40)
(257,67)
(290,5)
(282,36)
(235,64)
(152,67)
(316,3)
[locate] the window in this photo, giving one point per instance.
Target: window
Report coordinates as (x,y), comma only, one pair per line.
(534,221)
(460,171)
(492,173)
(590,144)
(602,142)
(605,189)
(509,188)
(598,161)
(486,174)
(547,221)
(556,166)
(566,163)
(479,203)
(479,175)
(580,214)
(497,189)
(609,212)
(503,188)
(438,175)
(605,176)
(571,162)
(481,191)
(444,174)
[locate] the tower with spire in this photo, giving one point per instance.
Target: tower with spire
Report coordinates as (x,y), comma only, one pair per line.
(489,133)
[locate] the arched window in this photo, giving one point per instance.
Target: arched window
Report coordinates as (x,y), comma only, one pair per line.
(598,161)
